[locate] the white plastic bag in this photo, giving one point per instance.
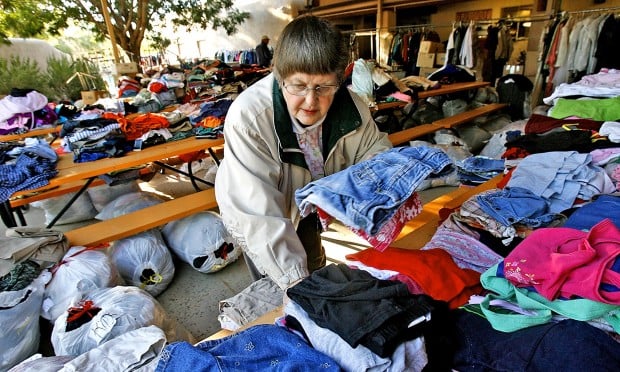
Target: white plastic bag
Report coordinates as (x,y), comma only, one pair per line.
(19,322)
(202,241)
(361,79)
(81,269)
(39,363)
(111,312)
(128,203)
(144,260)
(82,209)
(100,196)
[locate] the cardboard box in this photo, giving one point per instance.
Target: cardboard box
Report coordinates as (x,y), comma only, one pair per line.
(426,60)
(431,47)
(91,96)
(426,71)
(440,59)
(126,68)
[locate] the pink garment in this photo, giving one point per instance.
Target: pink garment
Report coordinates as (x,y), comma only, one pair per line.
(390,230)
(605,77)
(603,156)
(565,262)
(401,96)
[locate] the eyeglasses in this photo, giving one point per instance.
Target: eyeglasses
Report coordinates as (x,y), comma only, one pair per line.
(303,90)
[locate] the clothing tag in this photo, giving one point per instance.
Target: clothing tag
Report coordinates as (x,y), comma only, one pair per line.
(418,320)
(102,327)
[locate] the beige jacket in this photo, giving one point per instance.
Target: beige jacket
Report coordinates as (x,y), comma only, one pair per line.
(263,166)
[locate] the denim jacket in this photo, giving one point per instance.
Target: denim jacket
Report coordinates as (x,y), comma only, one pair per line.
(367,195)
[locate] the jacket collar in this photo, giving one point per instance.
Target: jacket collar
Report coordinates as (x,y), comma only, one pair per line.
(341,119)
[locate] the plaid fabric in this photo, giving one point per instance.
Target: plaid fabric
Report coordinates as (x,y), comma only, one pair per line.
(28,172)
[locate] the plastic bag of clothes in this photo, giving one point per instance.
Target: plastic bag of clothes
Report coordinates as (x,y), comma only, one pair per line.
(19,314)
(100,196)
(80,269)
(82,209)
(135,350)
(453,107)
(103,314)
(39,363)
(144,260)
(202,241)
(362,82)
(128,203)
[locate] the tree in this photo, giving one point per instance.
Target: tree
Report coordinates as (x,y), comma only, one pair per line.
(28,18)
(132,19)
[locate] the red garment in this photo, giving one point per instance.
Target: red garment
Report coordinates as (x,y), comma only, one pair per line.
(566,262)
(157,87)
(432,269)
(538,124)
(513,153)
(504,181)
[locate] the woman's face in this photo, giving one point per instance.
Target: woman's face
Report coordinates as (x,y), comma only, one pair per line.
(304,101)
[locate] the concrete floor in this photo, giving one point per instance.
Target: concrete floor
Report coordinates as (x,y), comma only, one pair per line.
(193,297)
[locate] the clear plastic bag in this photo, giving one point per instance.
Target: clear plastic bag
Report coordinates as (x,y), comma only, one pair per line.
(105,313)
(202,241)
(128,203)
(143,260)
(81,269)
(19,322)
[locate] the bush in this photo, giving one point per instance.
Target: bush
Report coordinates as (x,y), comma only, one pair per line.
(20,73)
(59,71)
(25,73)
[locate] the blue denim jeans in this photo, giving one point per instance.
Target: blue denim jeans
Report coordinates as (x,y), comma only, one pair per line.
(516,205)
(482,164)
(265,347)
(366,195)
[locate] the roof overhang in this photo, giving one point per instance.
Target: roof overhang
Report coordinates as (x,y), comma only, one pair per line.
(358,8)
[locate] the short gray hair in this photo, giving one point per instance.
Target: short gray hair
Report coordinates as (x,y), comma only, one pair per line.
(310,45)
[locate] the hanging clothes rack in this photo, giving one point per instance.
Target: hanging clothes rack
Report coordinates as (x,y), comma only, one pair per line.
(597,10)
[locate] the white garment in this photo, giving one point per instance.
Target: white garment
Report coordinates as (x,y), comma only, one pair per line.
(449,46)
(582,52)
(467,52)
(126,352)
(573,44)
(611,129)
(605,84)
(31,102)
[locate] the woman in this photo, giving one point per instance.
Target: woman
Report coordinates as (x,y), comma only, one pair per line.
(295,125)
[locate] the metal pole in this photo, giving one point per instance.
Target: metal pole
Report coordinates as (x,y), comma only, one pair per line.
(379,25)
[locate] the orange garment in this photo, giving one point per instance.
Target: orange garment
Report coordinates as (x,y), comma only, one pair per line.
(210,122)
(433,270)
(135,125)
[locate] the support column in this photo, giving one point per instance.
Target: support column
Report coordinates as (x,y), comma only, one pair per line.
(388,21)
